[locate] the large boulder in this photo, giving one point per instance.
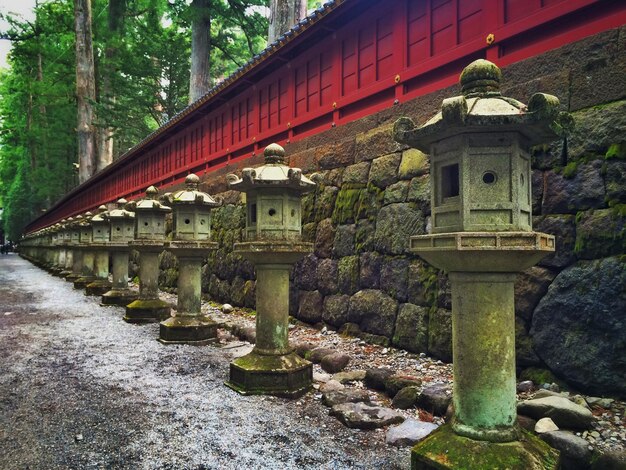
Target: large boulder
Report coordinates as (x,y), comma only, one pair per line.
(374,311)
(578,327)
(600,233)
(575,453)
(580,188)
(335,309)
(564,412)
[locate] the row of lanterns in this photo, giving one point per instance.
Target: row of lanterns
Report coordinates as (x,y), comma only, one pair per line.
(79,249)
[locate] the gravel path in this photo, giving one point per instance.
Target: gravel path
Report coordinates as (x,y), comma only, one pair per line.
(82,389)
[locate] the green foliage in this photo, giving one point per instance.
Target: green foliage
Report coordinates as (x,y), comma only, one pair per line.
(142,54)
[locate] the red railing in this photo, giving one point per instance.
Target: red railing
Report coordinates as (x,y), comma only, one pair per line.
(355,58)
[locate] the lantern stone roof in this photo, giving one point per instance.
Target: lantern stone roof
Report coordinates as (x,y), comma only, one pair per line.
(191,194)
(273,174)
(120,211)
(100,215)
(150,202)
(482,107)
(85,219)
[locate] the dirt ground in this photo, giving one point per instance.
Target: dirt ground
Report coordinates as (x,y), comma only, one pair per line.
(81,389)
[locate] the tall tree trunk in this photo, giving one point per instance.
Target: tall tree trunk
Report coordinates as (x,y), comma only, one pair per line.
(43,115)
(283,15)
(200,48)
(85,89)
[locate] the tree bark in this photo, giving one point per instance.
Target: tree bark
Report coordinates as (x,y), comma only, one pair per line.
(283,15)
(200,49)
(85,89)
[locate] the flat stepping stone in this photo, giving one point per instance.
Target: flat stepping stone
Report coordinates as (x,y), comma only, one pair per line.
(565,413)
(409,433)
(362,416)
(349,376)
(338,397)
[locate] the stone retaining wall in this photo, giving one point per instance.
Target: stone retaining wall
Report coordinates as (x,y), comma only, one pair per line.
(373,194)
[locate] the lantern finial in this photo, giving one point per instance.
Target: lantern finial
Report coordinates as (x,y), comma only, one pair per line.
(274,153)
(481,78)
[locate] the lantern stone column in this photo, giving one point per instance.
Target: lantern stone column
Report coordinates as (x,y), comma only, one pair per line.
(88,256)
(273,234)
(67,248)
(482,236)
(77,255)
(122,229)
(149,239)
(100,239)
(191,244)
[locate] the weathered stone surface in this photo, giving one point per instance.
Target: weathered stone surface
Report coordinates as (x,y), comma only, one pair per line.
(249,294)
(575,454)
(545,425)
(364,239)
(344,240)
(302,348)
(336,362)
(309,230)
(395,383)
(310,306)
(615,180)
(376,378)
(237,294)
(369,270)
(374,311)
(357,173)
(564,230)
(610,460)
(324,238)
(411,331)
(405,398)
(419,193)
(327,276)
(435,399)
(440,334)
(524,353)
(374,143)
(525,386)
(413,163)
(596,129)
(337,155)
(350,376)
(348,274)
(396,192)
(578,327)
(325,202)
(338,397)
(537,182)
(333,177)
(583,190)
(409,433)
(565,413)
(423,283)
(363,416)
(600,233)
(384,170)
(530,286)
(335,309)
(347,203)
(305,273)
(331,386)
(395,224)
(318,354)
(393,278)
(525,422)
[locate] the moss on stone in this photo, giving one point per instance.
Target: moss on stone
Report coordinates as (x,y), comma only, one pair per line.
(346,203)
(617,151)
(569,170)
(539,376)
(444,449)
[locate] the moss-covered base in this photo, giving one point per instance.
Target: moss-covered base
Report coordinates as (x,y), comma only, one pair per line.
(65,273)
(97,287)
(198,330)
(147,311)
(82,282)
(119,297)
(446,450)
(287,375)
(72,277)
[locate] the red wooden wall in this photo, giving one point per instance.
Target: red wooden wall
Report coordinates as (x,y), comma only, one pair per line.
(376,54)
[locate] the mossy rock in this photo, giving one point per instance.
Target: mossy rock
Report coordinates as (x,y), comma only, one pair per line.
(601,233)
(541,376)
(444,449)
(346,203)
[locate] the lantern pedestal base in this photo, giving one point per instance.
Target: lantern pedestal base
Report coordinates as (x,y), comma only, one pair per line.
(82,281)
(98,287)
(72,277)
(147,311)
(119,297)
(444,449)
(286,375)
(198,330)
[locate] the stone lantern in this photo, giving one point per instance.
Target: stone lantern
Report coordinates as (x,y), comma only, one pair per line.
(100,239)
(149,239)
(57,256)
(122,231)
(482,236)
(66,234)
(273,244)
(74,243)
(85,232)
(190,244)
